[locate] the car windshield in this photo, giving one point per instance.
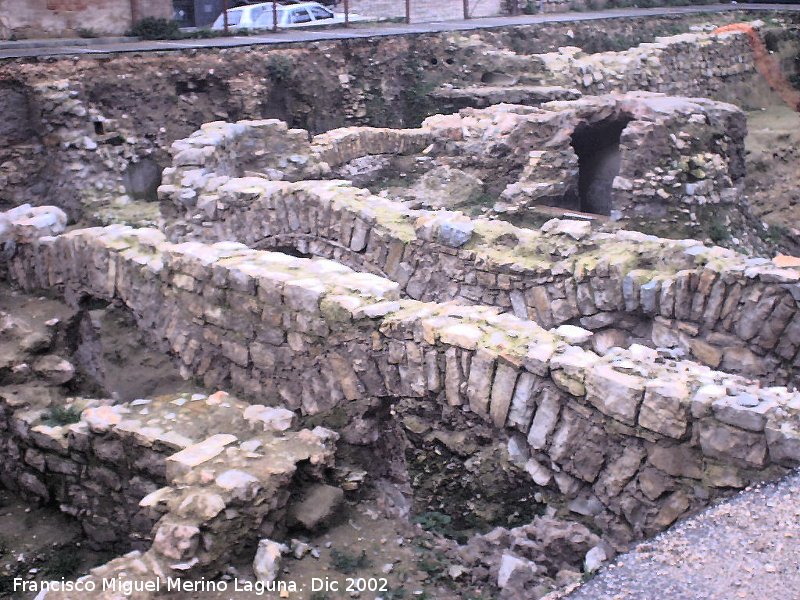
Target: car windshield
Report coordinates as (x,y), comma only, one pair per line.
(234,17)
(319,13)
(257,11)
(265,20)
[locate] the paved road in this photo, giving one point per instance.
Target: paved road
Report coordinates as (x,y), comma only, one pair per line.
(30,48)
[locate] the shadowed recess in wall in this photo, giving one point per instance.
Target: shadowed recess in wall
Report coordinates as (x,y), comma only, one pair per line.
(597,147)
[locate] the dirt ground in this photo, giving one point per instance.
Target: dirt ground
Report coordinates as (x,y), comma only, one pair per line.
(39,543)
(773,168)
(401,560)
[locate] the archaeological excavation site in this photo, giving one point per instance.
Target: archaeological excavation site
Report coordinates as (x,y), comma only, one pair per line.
(507,312)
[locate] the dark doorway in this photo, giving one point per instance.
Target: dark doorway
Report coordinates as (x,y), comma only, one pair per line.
(597,147)
(142,179)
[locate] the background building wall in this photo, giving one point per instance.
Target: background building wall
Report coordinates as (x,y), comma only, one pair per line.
(425,10)
(62,18)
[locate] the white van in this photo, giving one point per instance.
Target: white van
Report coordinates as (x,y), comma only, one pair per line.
(260,16)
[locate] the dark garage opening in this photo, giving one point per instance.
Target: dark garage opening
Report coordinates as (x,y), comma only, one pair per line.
(597,147)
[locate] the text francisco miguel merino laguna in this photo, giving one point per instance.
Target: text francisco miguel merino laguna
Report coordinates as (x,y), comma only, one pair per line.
(170,584)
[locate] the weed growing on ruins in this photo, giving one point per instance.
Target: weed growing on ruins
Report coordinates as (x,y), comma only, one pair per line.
(432,566)
(87,32)
(435,521)
(347,563)
(774,234)
(60,415)
(718,232)
(279,68)
(64,563)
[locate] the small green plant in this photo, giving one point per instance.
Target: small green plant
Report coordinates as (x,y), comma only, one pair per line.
(434,521)
(718,232)
(774,234)
(63,564)
(152,28)
(204,33)
(347,563)
(430,566)
(86,32)
(279,68)
(7,586)
(60,415)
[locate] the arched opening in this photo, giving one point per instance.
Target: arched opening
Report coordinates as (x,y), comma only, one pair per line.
(142,179)
(599,159)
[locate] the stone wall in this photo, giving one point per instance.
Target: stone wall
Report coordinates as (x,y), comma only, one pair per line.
(675,155)
(689,64)
(63,18)
(633,438)
(178,479)
(707,301)
(78,154)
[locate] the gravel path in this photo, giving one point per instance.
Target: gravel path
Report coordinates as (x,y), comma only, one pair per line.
(747,547)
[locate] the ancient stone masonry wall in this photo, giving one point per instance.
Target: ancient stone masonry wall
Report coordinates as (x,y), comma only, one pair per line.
(180,479)
(626,286)
(633,439)
(676,156)
(689,64)
(88,162)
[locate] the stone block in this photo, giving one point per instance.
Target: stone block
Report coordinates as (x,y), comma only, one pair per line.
(678,461)
(665,408)
(505,379)
(545,419)
(722,441)
(184,461)
(783,440)
(614,393)
(480,381)
(745,410)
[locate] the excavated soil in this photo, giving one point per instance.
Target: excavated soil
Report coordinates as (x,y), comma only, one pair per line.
(39,543)
(773,176)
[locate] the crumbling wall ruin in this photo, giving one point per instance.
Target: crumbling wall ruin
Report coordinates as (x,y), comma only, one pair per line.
(177,479)
(626,437)
(675,156)
(625,286)
(94,118)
